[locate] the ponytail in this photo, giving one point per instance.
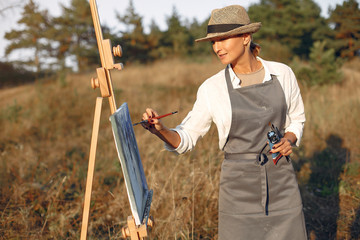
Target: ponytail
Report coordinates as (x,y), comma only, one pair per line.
(255,48)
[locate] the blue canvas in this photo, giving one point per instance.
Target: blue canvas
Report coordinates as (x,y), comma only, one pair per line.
(137,189)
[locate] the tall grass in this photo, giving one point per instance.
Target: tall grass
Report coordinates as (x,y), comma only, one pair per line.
(45,140)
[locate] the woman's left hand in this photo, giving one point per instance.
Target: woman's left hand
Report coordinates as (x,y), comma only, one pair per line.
(283,146)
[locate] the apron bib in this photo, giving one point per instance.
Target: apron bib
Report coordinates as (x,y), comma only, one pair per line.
(257,200)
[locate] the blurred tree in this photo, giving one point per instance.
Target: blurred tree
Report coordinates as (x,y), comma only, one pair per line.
(75,35)
(154,39)
(61,34)
(176,37)
(133,40)
(290,24)
(32,36)
(198,30)
(323,67)
(345,20)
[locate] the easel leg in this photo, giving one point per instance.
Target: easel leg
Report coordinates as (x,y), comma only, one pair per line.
(90,174)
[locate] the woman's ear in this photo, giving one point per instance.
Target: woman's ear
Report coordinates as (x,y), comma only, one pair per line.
(247,38)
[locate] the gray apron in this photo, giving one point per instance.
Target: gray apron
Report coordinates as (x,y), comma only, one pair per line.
(257,199)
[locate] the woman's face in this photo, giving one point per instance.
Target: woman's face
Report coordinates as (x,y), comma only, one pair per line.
(230,50)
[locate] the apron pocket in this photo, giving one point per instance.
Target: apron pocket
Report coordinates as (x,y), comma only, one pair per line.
(240,187)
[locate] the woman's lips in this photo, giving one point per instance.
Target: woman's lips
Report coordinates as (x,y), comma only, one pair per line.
(222,56)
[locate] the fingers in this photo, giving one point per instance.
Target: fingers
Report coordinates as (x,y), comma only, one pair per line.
(152,123)
(284,147)
(149,114)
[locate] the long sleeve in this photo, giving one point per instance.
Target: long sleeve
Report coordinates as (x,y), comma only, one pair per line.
(296,113)
(195,125)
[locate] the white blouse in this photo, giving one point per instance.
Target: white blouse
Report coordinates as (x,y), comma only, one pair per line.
(213,105)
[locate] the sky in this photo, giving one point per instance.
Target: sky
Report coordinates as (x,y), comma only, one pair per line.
(157,10)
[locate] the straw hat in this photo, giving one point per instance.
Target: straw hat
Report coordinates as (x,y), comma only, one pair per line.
(229,21)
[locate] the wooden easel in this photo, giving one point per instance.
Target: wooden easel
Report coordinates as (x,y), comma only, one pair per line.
(136,232)
(104,82)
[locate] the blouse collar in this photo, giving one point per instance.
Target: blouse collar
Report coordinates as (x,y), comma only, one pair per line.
(236,81)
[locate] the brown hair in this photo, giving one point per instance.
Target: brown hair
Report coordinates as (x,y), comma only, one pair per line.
(255,48)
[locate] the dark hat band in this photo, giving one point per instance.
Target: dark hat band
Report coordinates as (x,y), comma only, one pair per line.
(220,28)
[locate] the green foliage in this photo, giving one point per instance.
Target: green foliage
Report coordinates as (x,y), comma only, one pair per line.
(154,39)
(34,24)
(74,32)
(133,40)
(198,30)
(177,36)
(345,19)
(291,23)
(177,40)
(323,67)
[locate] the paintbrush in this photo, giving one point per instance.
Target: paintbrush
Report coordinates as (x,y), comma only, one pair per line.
(158,117)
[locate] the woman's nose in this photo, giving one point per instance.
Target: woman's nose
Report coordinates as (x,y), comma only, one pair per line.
(216,46)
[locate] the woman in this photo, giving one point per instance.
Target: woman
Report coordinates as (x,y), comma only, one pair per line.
(257,199)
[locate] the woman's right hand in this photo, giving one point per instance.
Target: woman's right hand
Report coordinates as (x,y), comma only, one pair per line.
(153,125)
(156,127)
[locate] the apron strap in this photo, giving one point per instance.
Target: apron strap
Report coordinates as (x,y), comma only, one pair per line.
(264,189)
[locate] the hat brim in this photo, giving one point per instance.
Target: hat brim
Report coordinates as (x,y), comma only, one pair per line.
(250,28)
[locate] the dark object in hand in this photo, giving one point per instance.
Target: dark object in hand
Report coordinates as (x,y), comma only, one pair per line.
(274,137)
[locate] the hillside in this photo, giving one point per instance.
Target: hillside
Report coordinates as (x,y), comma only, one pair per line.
(45,140)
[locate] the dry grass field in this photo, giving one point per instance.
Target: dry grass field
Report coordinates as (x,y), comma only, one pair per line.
(45,140)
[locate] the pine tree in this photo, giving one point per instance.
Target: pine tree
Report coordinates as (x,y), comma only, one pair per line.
(323,67)
(75,35)
(198,30)
(133,40)
(61,33)
(32,36)
(177,37)
(345,19)
(289,24)
(154,39)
